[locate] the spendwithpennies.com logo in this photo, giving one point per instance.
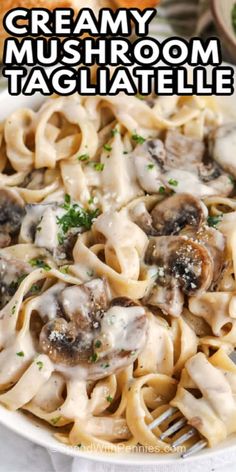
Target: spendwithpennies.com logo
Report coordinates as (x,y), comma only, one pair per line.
(121,448)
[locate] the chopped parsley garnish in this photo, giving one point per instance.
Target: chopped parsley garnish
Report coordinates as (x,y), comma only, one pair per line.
(83,157)
(234,17)
(109,399)
(114,132)
(125,152)
(20,354)
(138,139)
(93,357)
(107,147)
(232,179)
(98,166)
(173,182)
(67,199)
(13,310)
(162,190)
(140,97)
(14,285)
(105,366)
(39,263)
(91,201)
(35,288)
(55,420)
(90,273)
(61,238)
(76,217)
(213,221)
(39,364)
(98,344)
(150,166)
(64,270)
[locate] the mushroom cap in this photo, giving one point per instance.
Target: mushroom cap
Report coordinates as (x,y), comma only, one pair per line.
(12,211)
(94,332)
(174,213)
(186,260)
(11,273)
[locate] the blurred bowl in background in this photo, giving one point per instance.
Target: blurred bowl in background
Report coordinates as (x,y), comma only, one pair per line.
(223,16)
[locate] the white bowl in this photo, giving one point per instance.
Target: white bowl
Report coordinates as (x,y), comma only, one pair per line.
(40,433)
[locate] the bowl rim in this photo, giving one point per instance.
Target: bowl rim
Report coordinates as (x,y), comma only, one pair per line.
(124,458)
(221,24)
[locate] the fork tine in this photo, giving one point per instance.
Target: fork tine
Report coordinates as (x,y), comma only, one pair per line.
(162,417)
(195,448)
(184,437)
(174,428)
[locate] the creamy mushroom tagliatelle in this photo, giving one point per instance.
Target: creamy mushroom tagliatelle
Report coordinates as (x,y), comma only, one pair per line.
(117,267)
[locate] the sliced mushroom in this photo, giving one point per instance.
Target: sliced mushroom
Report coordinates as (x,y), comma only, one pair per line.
(169,298)
(140,215)
(186,260)
(183,152)
(182,164)
(149,160)
(183,265)
(176,212)
(12,272)
(12,212)
(171,215)
(35,226)
(92,333)
(214,241)
(222,145)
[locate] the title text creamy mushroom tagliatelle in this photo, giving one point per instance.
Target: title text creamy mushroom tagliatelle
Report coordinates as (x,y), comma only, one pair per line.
(117,263)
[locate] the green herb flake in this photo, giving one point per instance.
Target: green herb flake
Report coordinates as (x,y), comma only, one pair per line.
(98,344)
(60,238)
(14,285)
(173,182)
(150,166)
(90,273)
(109,399)
(83,157)
(105,366)
(40,264)
(55,420)
(79,445)
(67,199)
(233,16)
(13,310)
(76,217)
(91,201)
(162,190)
(64,270)
(138,139)
(35,289)
(107,147)
(232,179)
(140,97)
(213,221)
(39,364)
(94,357)
(98,166)
(20,354)
(114,132)
(125,152)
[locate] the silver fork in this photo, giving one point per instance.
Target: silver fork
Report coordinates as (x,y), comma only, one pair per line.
(178,425)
